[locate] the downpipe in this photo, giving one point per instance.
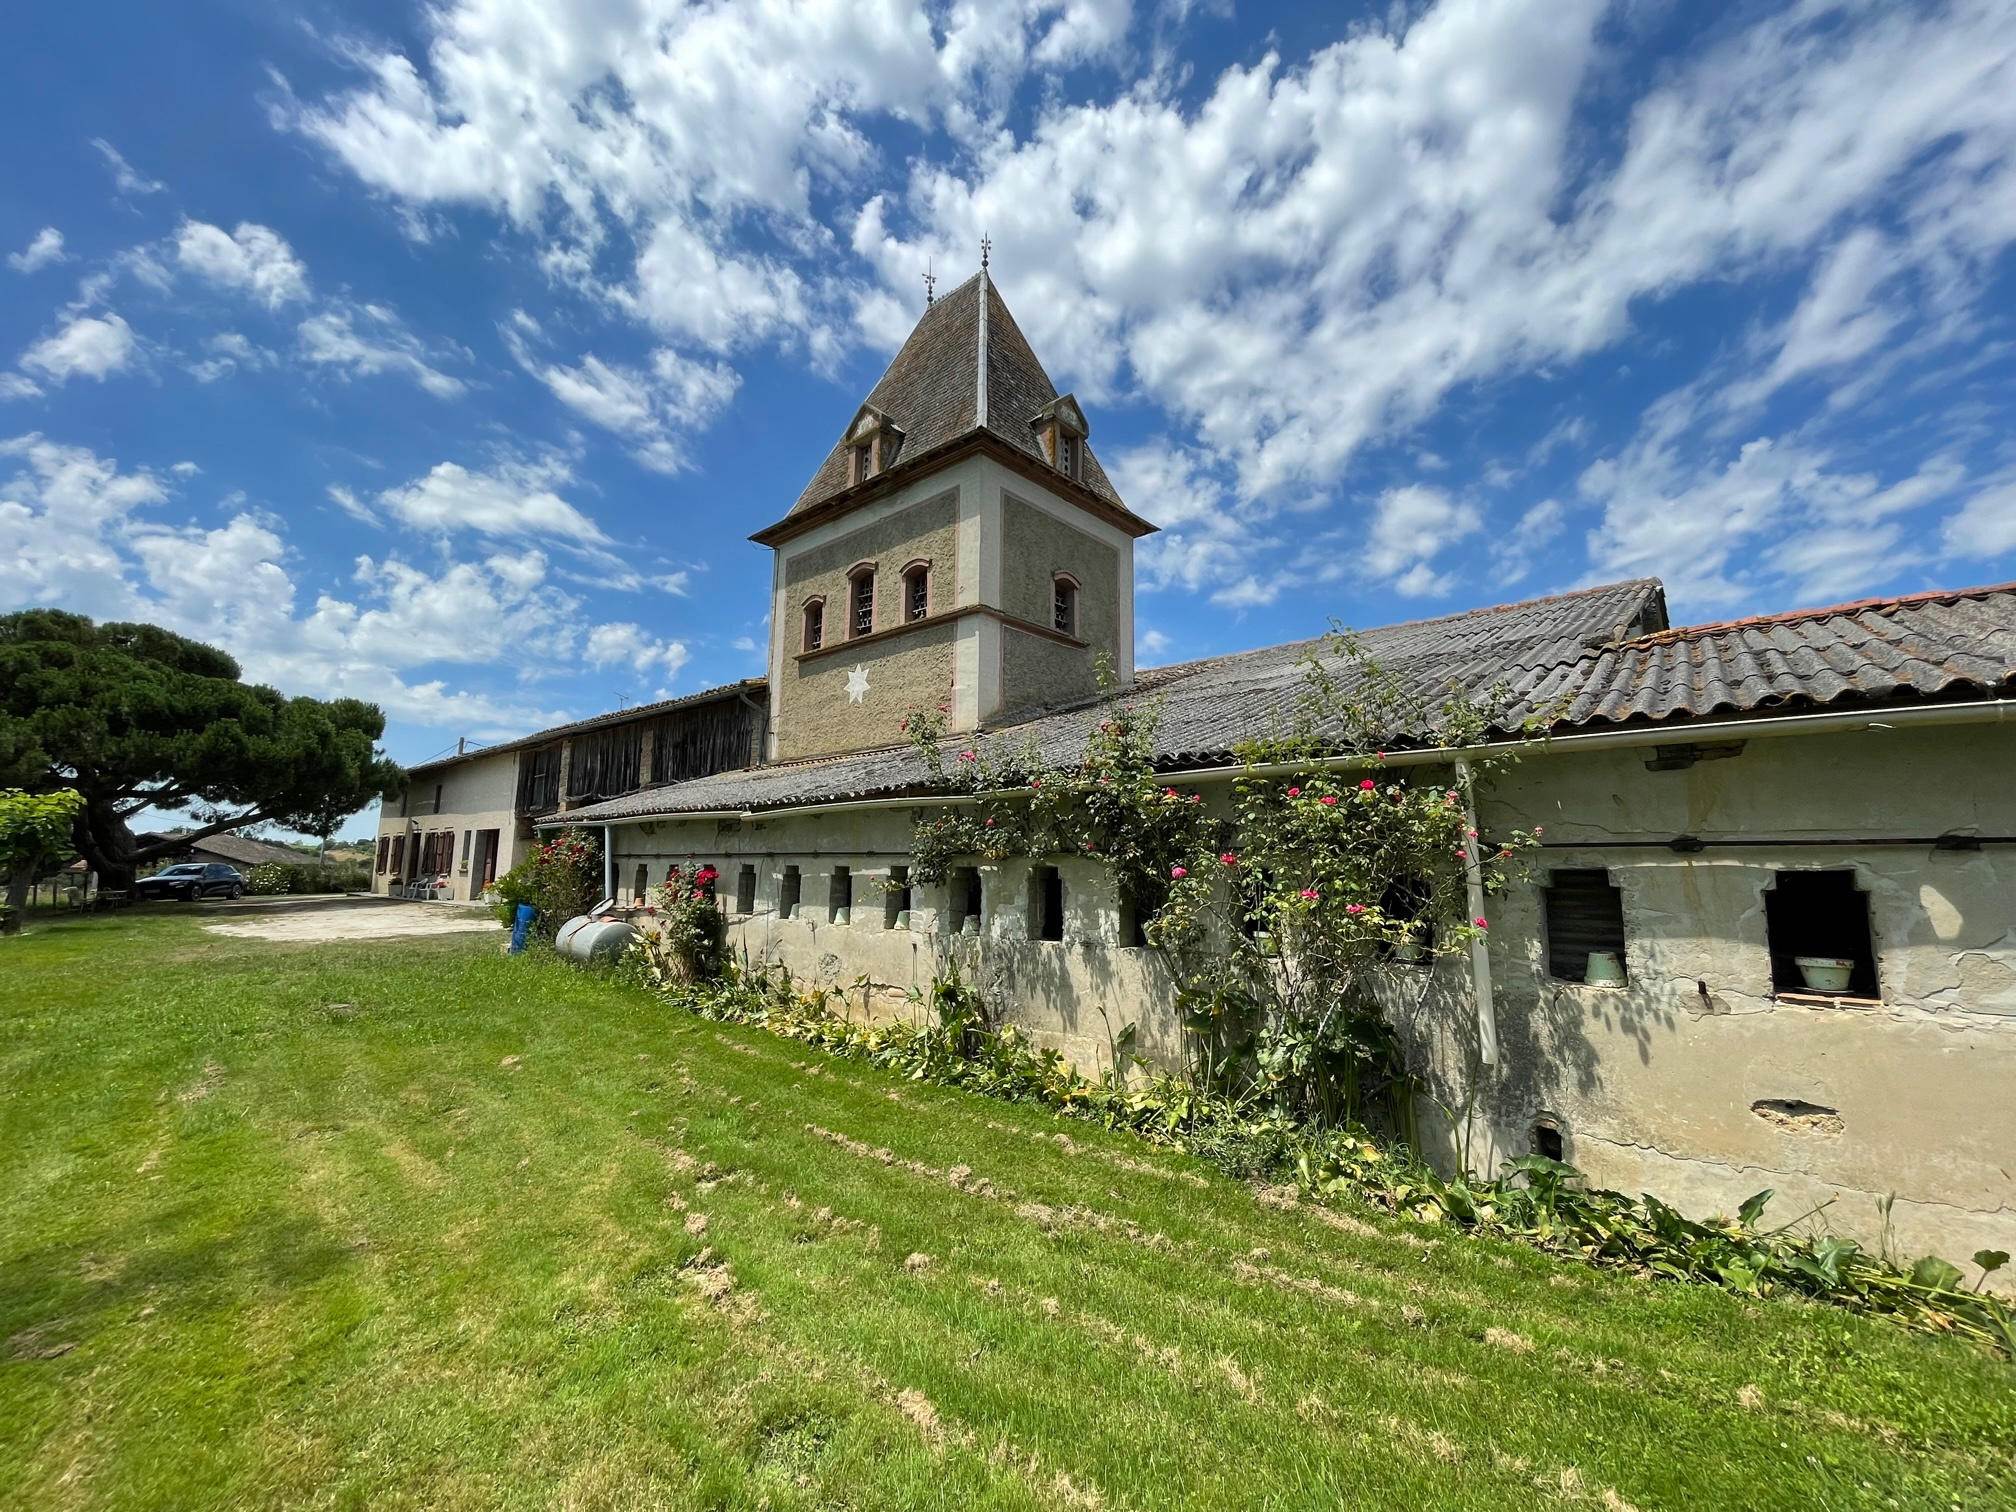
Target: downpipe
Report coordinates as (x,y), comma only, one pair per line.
(1480,948)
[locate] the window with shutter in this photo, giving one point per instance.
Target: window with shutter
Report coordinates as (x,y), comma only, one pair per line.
(1585,916)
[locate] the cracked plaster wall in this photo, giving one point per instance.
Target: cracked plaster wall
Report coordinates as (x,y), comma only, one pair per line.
(1653,1085)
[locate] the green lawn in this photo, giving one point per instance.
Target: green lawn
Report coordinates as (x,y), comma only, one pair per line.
(415,1225)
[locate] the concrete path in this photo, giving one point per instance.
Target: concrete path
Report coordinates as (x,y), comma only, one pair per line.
(310,919)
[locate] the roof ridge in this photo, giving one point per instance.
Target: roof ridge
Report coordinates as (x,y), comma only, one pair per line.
(1829,611)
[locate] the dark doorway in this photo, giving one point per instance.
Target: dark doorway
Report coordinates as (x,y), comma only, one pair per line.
(1046,904)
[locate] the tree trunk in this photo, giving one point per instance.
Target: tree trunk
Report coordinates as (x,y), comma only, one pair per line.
(19,878)
(104,841)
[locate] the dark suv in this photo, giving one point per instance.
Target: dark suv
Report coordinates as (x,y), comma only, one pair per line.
(192,880)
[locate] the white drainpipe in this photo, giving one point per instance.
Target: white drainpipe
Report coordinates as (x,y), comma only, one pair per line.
(608,861)
(1480,950)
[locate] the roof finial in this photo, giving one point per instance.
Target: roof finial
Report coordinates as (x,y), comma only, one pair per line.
(930,287)
(986,246)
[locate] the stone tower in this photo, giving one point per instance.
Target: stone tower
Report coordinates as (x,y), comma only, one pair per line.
(960,544)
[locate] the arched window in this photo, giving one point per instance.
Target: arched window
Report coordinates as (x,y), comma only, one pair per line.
(1064,604)
(861,596)
(815,623)
(917,591)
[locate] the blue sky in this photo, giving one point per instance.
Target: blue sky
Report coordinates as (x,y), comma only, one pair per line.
(446,356)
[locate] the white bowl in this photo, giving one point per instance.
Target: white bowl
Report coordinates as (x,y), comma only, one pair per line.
(1825,973)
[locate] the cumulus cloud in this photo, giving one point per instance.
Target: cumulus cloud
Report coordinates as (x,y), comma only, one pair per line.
(1986,527)
(367,340)
(1296,260)
(90,346)
(1410,528)
(44,250)
(631,645)
(254,259)
(77,531)
(511,499)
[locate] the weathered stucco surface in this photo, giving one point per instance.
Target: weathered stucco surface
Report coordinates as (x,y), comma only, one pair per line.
(1693,1080)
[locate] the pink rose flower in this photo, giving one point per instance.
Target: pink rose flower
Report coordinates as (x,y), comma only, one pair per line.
(1327,798)
(1294,792)
(1179,871)
(1537,831)
(1481,922)
(1354,908)
(1229,859)
(1368,784)
(1461,855)
(1311,894)
(1471,833)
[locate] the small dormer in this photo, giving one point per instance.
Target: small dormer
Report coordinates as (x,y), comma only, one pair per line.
(1061,431)
(872,444)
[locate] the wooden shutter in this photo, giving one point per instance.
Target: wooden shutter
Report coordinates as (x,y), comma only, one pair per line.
(1584,913)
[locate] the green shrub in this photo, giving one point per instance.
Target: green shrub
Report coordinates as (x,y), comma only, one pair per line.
(561,879)
(278,877)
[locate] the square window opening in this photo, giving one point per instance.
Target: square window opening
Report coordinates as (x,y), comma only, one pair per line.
(1585,928)
(788,893)
(745,890)
(1822,919)
(896,899)
(840,896)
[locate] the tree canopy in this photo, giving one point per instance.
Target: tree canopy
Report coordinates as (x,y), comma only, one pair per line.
(134,717)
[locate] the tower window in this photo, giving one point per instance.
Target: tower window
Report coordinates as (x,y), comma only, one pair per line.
(815,624)
(917,591)
(862,622)
(1064,605)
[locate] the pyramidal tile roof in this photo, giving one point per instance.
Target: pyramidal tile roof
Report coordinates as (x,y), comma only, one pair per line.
(933,391)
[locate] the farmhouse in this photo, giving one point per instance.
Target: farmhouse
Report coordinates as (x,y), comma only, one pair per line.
(464,820)
(1719,801)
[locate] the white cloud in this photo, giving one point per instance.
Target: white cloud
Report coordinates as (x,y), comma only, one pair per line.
(75,533)
(1986,527)
(1512,554)
(14,386)
(365,340)
(631,645)
(229,351)
(88,347)
(512,499)
(1154,642)
(45,249)
(1410,528)
(659,412)
(253,259)
(127,178)
(1778,511)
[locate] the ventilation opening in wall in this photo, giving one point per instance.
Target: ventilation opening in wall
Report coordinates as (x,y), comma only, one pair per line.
(641,891)
(1046,904)
(1406,900)
(840,896)
(788,893)
(1547,1140)
(1585,928)
(965,900)
(896,899)
(1817,924)
(745,890)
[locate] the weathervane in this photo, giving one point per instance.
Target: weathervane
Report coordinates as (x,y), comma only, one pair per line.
(986,246)
(930,287)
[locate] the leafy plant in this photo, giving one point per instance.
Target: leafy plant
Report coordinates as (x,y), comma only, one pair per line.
(560,878)
(34,831)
